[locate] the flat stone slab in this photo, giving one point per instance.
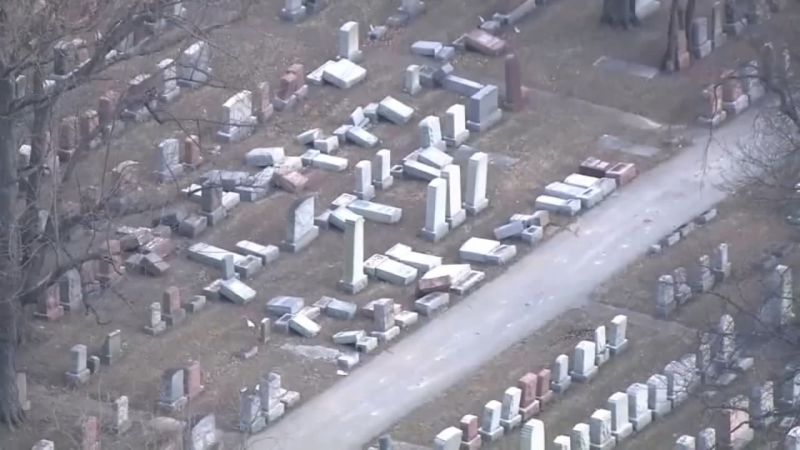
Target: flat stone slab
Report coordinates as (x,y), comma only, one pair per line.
(395,111)
(416,169)
(236,291)
(389,270)
(406,255)
(329,162)
(304,326)
(215,257)
(339,309)
(434,157)
(264,156)
(281,305)
(616,65)
(567,207)
(486,251)
(432,303)
(266,253)
(348,337)
(376,212)
(361,137)
(344,73)
(443,277)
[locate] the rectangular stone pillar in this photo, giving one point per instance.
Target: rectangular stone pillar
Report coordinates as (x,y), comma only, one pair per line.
(364,189)
(354,279)
(436,206)
(477,174)
(349,42)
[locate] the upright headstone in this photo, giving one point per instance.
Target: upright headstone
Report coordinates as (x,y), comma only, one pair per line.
(621,426)
(701,45)
(436,206)
(470,438)
(600,345)
(617,339)
(718,36)
(22,391)
(411,80)
(560,371)
(121,422)
(532,435)
(732,424)
(720,263)
(112,347)
(490,423)
(528,404)
(301,229)
(725,344)
(71,291)
(665,296)
(48,306)
(482,109)
(250,418)
(510,418)
(706,439)
(172,307)
(293,10)
(364,188)
(168,77)
(382,176)
(583,363)
(430,133)
(90,433)
(193,379)
(349,42)
(78,372)
(454,128)
(762,405)
(172,396)
(238,120)
(169,160)
(639,413)
(156,325)
(448,439)
(579,437)
(600,429)
(477,174)
(354,279)
(455,214)
(657,396)
(194,65)
(515,97)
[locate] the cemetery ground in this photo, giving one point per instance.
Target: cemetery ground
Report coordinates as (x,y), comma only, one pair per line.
(653,341)
(570,107)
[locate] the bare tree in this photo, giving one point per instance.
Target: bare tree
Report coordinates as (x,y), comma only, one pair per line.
(32,257)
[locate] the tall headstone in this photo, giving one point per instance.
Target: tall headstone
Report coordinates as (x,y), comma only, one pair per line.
(718,36)
(454,128)
(762,405)
(71,291)
(169,160)
(382,177)
(455,214)
(477,174)
(168,77)
(621,426)
(510,418)
(354,279)
(720,262)
(349,42)
(112,347)
(171,397)
(155,325)
(22,391)
(436,206)
(250,418)
(560,372)
(701,45)
(121,420)
(725,342)
(301,229)
(639,413)
(665,296)
(90,433)
(411,80)
(193,379)
(515,97)
(617,331)
(601,346)
(364,188)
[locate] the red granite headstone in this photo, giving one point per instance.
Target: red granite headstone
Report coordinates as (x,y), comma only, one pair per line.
(543,392)
(193,379)
(171,301)
(529,405)
(191,151)
(49,305)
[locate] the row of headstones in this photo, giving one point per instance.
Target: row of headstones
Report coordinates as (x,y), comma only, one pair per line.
(534,391)
(683,231)
(595,181)
(677,289)
(740,88)
(693,41)
(180,385)
(706,440)
(137,103)
(83,366)
(265,404)
(171,312)
(68,292)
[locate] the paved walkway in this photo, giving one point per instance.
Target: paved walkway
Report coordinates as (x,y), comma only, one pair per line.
(557,276)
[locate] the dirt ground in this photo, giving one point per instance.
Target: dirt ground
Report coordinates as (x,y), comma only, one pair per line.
(653,342)
(572,105)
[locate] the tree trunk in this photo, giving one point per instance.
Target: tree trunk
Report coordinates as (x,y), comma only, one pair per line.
(10,308)
(668,62)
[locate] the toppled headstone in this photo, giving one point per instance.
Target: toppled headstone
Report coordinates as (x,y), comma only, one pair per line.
(421,261)
(431,303)
(265,156)
(389,270)
(282,305)
(237,291)
(486,251)
(395,111)
(344,73)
